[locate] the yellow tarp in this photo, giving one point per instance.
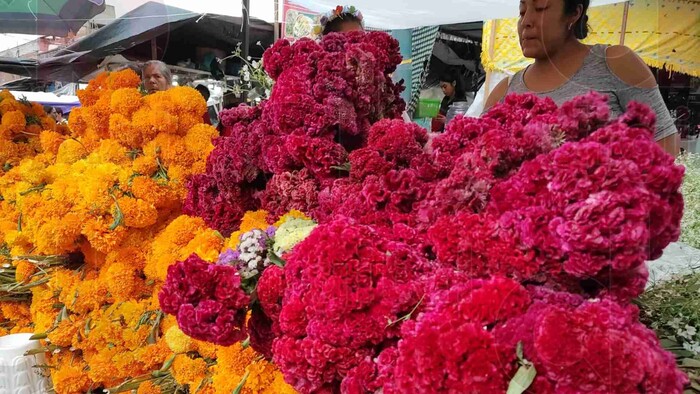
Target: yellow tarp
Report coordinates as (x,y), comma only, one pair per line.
(663,33)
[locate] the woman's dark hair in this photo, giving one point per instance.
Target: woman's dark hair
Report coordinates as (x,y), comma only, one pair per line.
(335,25)
(580,28)
(452,75)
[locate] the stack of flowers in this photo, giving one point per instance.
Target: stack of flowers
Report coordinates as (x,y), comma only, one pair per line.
(466,266)
(91,222)
(21,125)
(278,155)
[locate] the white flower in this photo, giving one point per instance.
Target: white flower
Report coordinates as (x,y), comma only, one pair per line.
(675,323)
(255,64)
(690,330)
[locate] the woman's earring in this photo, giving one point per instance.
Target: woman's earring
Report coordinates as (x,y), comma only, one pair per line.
(570,26)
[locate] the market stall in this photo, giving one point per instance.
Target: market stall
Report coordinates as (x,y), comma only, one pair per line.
(320,244)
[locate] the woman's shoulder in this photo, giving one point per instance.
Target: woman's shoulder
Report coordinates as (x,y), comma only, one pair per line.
(627,66)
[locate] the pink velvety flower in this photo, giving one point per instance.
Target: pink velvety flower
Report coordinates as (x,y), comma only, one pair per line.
(450,349)
(344,283)
(207,299)
(584,346)
(290,191)
(221,207)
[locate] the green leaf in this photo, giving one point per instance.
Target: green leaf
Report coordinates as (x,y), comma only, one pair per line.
(522,380)
(37,188)
(37,337)
(246,343)
(519,351)
(667,343)
(239,388)
(276,260)
(345,167)
(691,363)
(118,214)
(168,363)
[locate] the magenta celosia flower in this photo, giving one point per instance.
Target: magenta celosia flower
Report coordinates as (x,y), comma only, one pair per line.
(207,300)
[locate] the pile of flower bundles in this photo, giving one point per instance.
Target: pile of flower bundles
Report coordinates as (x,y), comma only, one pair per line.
(279,155)
(503,258)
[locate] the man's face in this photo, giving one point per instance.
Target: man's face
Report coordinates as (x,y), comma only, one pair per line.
(153,80)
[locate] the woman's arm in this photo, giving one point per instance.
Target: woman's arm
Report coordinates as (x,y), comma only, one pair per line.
(496,95)
(630,69)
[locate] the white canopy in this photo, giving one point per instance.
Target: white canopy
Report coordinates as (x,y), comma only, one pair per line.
(404,14)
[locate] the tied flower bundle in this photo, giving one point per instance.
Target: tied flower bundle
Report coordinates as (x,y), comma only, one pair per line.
(98,208)
(21,125)
(278,155)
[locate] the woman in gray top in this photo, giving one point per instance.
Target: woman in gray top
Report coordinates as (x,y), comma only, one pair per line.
(564,67)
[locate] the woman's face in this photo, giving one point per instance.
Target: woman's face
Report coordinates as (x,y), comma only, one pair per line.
(447,88)
(543,27)
(54,114)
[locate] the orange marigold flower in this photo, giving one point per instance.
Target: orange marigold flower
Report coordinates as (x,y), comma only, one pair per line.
(126,78)
(121,130)
(199,140)
(51,141)
(97,117)
(187,122)
(161,101)
(10,104)
(145,165)
(148,387)
(188,100)
(132,257)
(251,220)
(206,244)
(59,235)
(125,101)
(109,151)
(155,355)
(24,271)
(102,369)
(177,341)
(70,151)
(14,121)
(76,122)
(71,378)
(33,129)
(171,149)
(6,94)
(89,295)
(63,334)
(168,245)
(16,311)
(123,282)
(150,190)
(151,122)
(137,213)
(206,349)
(189,371)
(101,238)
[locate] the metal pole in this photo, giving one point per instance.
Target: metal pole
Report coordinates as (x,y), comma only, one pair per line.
(278,26)
(246,29)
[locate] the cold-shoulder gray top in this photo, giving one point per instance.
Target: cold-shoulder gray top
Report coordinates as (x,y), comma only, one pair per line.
(595,75)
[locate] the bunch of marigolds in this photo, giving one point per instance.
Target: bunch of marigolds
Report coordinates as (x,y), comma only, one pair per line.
(90,220)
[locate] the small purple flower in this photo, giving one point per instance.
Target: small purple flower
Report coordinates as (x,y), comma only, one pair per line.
(229,257)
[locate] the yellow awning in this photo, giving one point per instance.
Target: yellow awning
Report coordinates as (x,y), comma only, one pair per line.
(662,33)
